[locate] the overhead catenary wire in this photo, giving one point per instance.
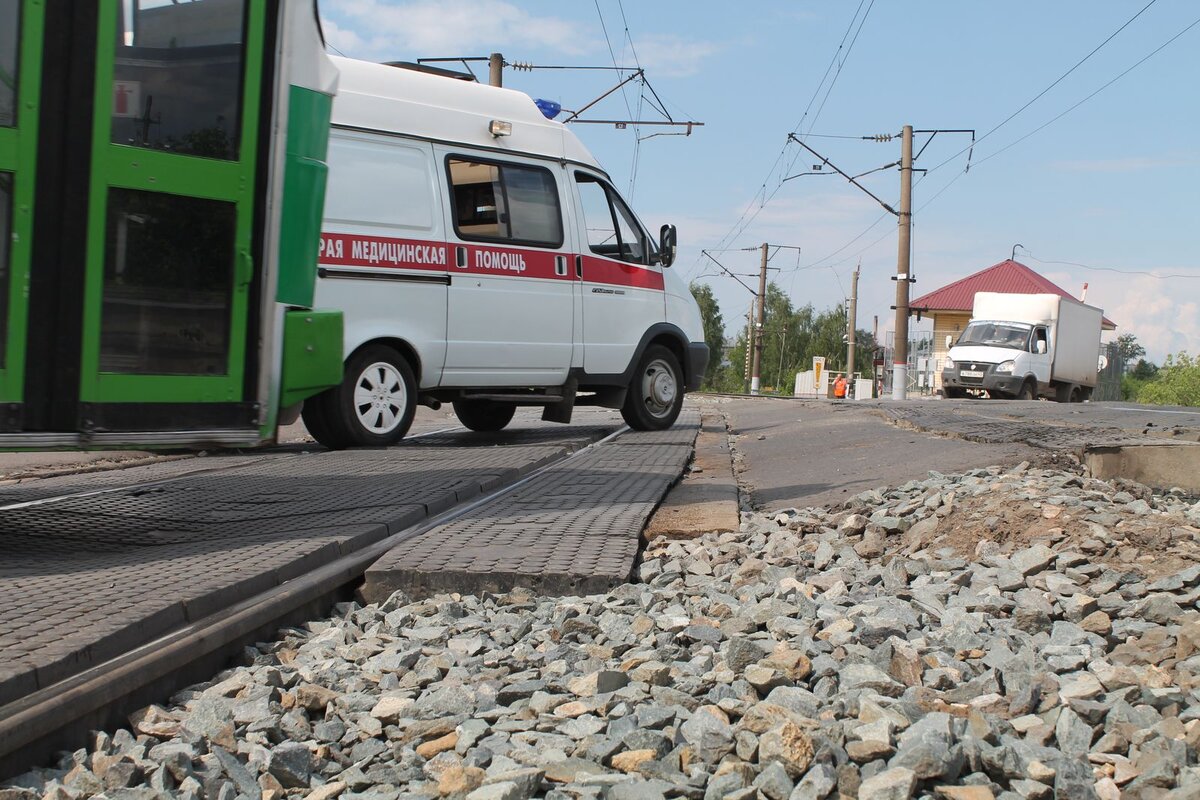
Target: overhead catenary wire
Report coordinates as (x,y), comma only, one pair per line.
(1063,113)
(1056,81)
(1146,273)
(992,155)
(755,205)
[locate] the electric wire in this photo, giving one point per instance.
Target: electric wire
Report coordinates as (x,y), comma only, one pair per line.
(1146,273)
(960,174)
(612,54)
(1057,81)
(754,206)
(1063,113)
(637,138)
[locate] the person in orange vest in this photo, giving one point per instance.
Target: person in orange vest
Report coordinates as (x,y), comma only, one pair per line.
(839,388)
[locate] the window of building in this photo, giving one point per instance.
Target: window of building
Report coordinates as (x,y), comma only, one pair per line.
(498,202)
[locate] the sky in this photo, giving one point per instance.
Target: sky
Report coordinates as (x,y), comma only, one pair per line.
(1102,190)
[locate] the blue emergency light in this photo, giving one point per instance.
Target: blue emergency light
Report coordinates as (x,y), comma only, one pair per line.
(549,108)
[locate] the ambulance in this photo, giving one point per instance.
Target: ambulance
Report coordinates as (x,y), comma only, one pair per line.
(482,257)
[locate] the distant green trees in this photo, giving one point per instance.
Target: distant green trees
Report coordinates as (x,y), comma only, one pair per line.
(791,338)
(1175,383)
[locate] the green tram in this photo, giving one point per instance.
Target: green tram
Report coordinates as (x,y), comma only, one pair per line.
(162,179)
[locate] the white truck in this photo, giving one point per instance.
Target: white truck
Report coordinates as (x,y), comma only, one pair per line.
(1026,346)
(482,257)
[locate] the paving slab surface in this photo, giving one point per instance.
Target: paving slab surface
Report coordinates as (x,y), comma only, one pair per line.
(92,566)
(571,529)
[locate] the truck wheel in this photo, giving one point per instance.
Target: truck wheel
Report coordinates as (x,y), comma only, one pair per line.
(655,392)
(1027,391)
(484,415)
(1066,393)
(372,407)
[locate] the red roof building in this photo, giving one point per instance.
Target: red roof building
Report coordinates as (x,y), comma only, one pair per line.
(1008,276)
(950,306)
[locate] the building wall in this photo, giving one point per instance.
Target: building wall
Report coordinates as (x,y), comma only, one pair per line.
(945,323)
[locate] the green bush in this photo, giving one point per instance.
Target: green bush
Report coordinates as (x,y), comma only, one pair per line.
(1176,384)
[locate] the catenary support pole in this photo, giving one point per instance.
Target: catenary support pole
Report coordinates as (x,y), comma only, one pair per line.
(496,70)
(903,258)
(749,347)
(852,325)
(755,374)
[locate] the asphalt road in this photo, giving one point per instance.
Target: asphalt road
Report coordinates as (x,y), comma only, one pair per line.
(809,453)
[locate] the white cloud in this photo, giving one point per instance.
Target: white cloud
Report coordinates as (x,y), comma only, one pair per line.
(1163,314)
(427,28)
(670,56)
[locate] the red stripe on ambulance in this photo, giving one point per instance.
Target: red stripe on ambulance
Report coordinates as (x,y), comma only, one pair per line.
(356,250)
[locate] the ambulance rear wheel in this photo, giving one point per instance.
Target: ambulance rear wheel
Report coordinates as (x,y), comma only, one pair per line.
(372,407)
(485,416)
(655,392)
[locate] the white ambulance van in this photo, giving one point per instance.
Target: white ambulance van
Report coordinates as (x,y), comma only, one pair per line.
(482,257)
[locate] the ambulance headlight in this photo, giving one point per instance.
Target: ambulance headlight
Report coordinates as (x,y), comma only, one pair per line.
(1007,366)
(948,364)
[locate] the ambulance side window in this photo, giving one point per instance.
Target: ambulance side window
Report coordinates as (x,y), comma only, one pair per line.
(612,230)
(499,202)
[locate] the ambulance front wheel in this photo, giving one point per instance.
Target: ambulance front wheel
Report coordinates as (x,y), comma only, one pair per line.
(655,392)
(372,407)
(484,416)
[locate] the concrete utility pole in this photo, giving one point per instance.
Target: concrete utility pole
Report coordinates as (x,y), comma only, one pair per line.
(903,257)
(749,345)
(496,69)
(755,379)
(852,324)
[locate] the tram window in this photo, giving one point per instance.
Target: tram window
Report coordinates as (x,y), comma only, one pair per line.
(10,15)
(178,74)
(168,279)
(5,239)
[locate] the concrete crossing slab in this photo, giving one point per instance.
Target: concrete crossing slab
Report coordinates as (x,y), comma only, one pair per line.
(572,529)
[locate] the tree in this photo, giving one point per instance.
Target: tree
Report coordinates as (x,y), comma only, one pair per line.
(1144,370)
(1129,350)
(1177,383)
(714,331)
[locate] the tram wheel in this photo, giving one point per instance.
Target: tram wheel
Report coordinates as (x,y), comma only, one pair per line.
(372,407)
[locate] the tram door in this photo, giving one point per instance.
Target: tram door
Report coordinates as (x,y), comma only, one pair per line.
(128,177)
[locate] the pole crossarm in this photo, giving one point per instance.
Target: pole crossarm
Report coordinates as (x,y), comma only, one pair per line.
(729,273)
(825,160)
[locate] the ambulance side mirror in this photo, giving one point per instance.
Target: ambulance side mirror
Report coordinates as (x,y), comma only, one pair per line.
(949,341)
(666,245)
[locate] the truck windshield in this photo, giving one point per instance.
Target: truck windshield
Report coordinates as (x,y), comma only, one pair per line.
(996,334)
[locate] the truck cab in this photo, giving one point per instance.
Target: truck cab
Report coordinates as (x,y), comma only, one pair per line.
(1003,358)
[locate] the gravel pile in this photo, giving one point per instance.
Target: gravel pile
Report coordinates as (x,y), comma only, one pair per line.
(1000,634)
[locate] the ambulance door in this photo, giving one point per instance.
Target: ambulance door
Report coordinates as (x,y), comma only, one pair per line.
(622,289)
(511,308)
(384,260)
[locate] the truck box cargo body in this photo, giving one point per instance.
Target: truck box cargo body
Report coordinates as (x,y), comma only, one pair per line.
(1026,346)
(482,257)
